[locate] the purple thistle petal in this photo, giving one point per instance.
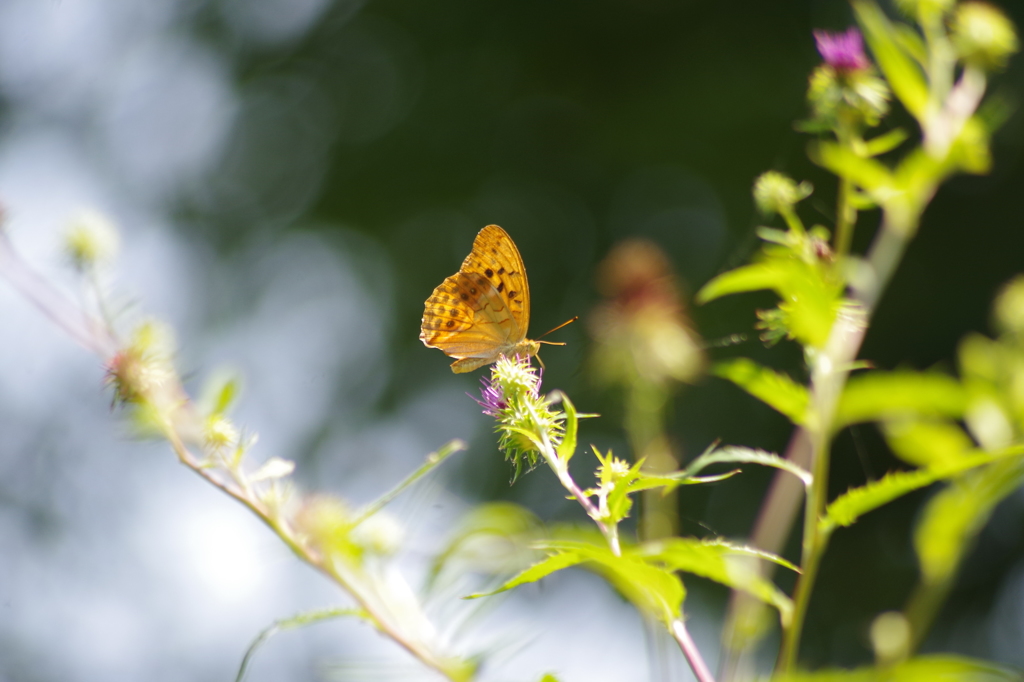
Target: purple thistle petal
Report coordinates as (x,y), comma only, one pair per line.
(491,397)
(844,51)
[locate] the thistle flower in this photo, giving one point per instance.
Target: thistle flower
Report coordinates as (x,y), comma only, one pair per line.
(844,51)
(526,422)
(844,89)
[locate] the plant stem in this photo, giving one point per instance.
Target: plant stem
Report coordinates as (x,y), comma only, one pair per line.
(690,651)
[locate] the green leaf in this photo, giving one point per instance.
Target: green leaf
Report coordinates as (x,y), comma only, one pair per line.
(297,621)
(886,143)
(897,65)
(926,443)
(934,668)
(724,563)
(543,568)
(652,589)
(733,454)
(870,175)
(754,277)
(854,503)
(956,514)
(775,389)
(219,392)
(878,395)
(567,448)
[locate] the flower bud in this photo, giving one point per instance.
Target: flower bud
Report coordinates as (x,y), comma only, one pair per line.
(1009,307)
(91,239)
(775,192)
(984,37)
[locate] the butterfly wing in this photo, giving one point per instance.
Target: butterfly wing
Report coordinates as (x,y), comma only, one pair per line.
(482,311)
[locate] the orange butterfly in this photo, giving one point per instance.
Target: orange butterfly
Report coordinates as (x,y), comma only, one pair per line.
(482,312)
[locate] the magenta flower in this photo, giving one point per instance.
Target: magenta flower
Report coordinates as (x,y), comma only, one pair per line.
(844,51)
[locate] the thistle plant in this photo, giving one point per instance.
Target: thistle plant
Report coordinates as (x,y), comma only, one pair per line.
(961,432)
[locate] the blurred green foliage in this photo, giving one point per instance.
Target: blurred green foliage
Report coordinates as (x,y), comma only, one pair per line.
(573,125)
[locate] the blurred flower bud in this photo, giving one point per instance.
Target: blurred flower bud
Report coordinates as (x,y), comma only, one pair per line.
(381,534)
(142,372)
(891,637)
(775,192)
(219,433)
(641,332)
(845,88)
(984,37)
(91,240)
(326,522)
(1009,307)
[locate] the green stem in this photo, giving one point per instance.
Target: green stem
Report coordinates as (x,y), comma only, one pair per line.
(846,217)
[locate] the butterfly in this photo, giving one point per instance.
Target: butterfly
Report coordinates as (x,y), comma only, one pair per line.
(482,312)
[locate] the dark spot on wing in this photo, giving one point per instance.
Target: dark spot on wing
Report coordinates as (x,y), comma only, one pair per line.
(464,297)
(501,285)
(489,272)
(451,323)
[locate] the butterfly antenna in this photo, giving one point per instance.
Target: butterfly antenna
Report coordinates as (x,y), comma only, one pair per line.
(567,322)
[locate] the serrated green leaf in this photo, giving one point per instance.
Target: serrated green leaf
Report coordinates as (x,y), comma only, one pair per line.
(878,395)
(733,454)
(934,668)
(897,65)
(775,389)
(567,448)
(541,569)
(854,503)
(652,589)
(723,562)
(956,514)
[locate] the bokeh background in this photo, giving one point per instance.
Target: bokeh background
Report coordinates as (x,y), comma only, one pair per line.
(291,178)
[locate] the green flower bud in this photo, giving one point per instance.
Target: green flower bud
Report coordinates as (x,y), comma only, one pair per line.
(91,239)
(1009,307)
(775,192)
(984,37)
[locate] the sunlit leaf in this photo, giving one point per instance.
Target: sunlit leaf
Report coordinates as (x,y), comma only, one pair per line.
(956,514)
(870,175)
(775,389)
(935,668)
(886,143)
(653,590)
(724,563)
(854,503)
(878,395)
(754,277)
(732,454)
(926,443)
(567,448)
(896,63)
(543,568)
